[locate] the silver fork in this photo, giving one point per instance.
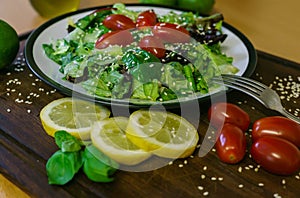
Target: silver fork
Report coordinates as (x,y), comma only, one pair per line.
(268,97)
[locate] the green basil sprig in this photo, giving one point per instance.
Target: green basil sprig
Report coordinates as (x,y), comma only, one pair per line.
(63,165)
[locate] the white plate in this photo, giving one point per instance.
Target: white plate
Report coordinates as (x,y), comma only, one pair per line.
(236,45)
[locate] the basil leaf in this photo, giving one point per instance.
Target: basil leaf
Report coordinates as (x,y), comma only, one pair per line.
(66,142)
(62,166)
(97,166)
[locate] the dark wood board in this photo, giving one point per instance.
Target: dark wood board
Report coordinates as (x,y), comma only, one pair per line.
(25,147)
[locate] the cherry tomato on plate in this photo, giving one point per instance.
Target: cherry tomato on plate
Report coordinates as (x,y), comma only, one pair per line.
(146,18)
(118,22)
(277,126)
(276,155)
(121,37)
(231,144)
(153,45)
(171,33)
(222,112)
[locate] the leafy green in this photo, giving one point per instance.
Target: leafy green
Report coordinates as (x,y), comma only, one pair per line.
(142,65)
(93,20)
(63,165)
(120,8)
(66,142)
(183,18)
(97,166)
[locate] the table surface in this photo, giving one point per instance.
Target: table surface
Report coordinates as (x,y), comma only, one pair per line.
(270,25)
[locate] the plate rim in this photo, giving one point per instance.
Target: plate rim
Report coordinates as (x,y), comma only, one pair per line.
(28,52)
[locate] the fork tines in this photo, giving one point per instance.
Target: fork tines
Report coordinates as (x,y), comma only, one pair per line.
(240,83)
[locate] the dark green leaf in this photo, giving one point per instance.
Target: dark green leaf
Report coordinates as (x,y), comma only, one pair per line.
(66,142)
(97,166)
(62,166)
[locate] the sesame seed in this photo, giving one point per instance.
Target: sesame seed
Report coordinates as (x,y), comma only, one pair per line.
(203,176)
(241,186)
(180,165)
(200,187)
(240,169)
(261,184)
(8,110)
(213,178)
(206,193)
(276,195)
(283,182)
(204,168)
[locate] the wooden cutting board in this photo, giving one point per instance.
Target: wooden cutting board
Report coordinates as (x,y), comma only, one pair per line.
(25,147)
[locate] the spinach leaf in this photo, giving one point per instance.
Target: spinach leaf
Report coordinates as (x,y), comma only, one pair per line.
(91,20)
(142,65)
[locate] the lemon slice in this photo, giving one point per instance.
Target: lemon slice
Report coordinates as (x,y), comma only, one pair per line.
(163,133)
(72,115)
(109,137)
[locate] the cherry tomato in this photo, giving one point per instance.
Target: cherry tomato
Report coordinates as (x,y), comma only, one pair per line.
(153,45)
(171,33)
(146,18)
(228,113)
(118,22)
(277,126)
(276,155)
(231,144)
(121,37)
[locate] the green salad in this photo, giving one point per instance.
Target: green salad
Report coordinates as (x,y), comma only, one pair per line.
(119,53)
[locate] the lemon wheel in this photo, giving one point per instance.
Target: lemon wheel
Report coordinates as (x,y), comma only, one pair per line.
(162,133)
(72,115)
(109,137)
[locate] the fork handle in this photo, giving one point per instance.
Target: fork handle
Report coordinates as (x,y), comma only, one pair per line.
(289,115)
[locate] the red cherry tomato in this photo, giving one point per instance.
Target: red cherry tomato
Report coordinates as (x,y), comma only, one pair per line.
(146,18)
(118,22)
(229,113)
(231,144)
(277,126)
(276,155)
(171,33)
(153,45)
(121,37)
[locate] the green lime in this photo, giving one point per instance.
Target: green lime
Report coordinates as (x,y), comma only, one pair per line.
(160,2)
(9,44)
(201,6)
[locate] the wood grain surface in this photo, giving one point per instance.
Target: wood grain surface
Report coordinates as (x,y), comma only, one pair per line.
(25,147)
